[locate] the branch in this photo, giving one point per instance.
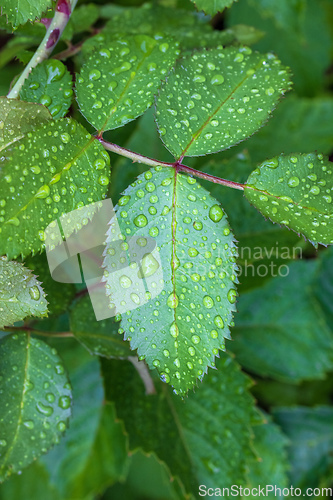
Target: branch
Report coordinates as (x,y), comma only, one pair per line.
(137,157)
(63,12)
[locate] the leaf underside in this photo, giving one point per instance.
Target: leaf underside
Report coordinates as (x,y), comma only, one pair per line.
(217,98)
(118,84)
(70,171)
(50,84)
(20,293)
(35,401)
(295,190)
(179,328)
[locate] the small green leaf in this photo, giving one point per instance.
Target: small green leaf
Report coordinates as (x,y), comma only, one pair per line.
(204,440)
(217,98)
(36,401)
(50,83)
(295,190)
(212,6)
(310,431)
(18,118)
(118,84)
(62,168)
(20,293)
(181,329)
(20,11)
(99,337)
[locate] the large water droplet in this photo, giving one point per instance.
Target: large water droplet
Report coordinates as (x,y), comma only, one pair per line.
(172,301)
(215,213)
(44,409)
(140,220)
(34,292)
(149,266)
(232,294)
(43,192)
(64,402)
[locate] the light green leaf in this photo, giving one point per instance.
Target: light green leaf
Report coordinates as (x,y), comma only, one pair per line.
(281,328)
(295,190)
(62,168)
(204,440)
(99,337)
(36,401)
(20,11)
(118,85)
(217,98)
(310,431)
(18,118)
(50,83)
(181,329)
(20,293)
(212,6)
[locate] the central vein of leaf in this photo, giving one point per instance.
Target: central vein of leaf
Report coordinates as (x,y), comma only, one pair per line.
(173,232)
(201,129)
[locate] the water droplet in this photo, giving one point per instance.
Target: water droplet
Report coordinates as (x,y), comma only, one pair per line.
(208,302)
(61,426)
(172,300)
(103,180)
(65,138)
(135,298)
(217,80)
(164,47)
(64,402)
(191,351)
(149,266)
(45,100)
(197,225)
(95,74)
(156,363)
(140,221)
(232,294)
(269,91)
(174,330)
(219,322)
(14,221)
(153,232)
(166,353)
(124,200)
(165,377)
(192,252)
(315,190)
(215,213)
(125,281)
(3,442)
(34,292)
(44,409)
(60,370)
(239,57)
(29,424)
(50,397)
(199,78)
(195,339)
(293,181)
(43,192)
(214,334)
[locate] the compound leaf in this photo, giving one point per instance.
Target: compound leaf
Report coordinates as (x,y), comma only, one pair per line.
(36,401)
(203,441)
(295,190)
(217,98)
(20,293)
(18,118)
(50,84)
(118,85)
(212,6)
(99,337)
(58,168)
(179,324)
(20,11)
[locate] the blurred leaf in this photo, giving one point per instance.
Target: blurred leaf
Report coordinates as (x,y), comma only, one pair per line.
(98,337)
(82,19)
(107,88)
(212,6)
(33,483)
(281,330)
(50,84)
(310,431)
(295,190)
(217,98)
(286,13)
(21,294)
(36,401)
(203,440)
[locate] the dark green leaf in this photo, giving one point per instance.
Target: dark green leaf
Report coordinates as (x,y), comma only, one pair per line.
(310,431)
(295,190)
(286,13)
(36,401)
(217,98)
(204,440)
(20,293)
(182,331)
(99,337)
(32,483)
(18,118)
(281,330)
(82,19)
(20,11)
(50,83)
(118,85)
(212,6)
(70,171)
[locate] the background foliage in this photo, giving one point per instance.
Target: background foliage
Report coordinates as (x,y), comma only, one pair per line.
(265,415)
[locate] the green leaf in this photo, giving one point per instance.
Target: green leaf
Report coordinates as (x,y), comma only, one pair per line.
(36,401)
(32,483)
(204,440)
(20,293)
(286,13)
(18,118)
(82,19)
(295,190)
(99,337)
(50,83)
(20,11)
(118,85)
(71,170)
(180,331)
(212,6)
(217,98)
(310,431)
(281,329)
